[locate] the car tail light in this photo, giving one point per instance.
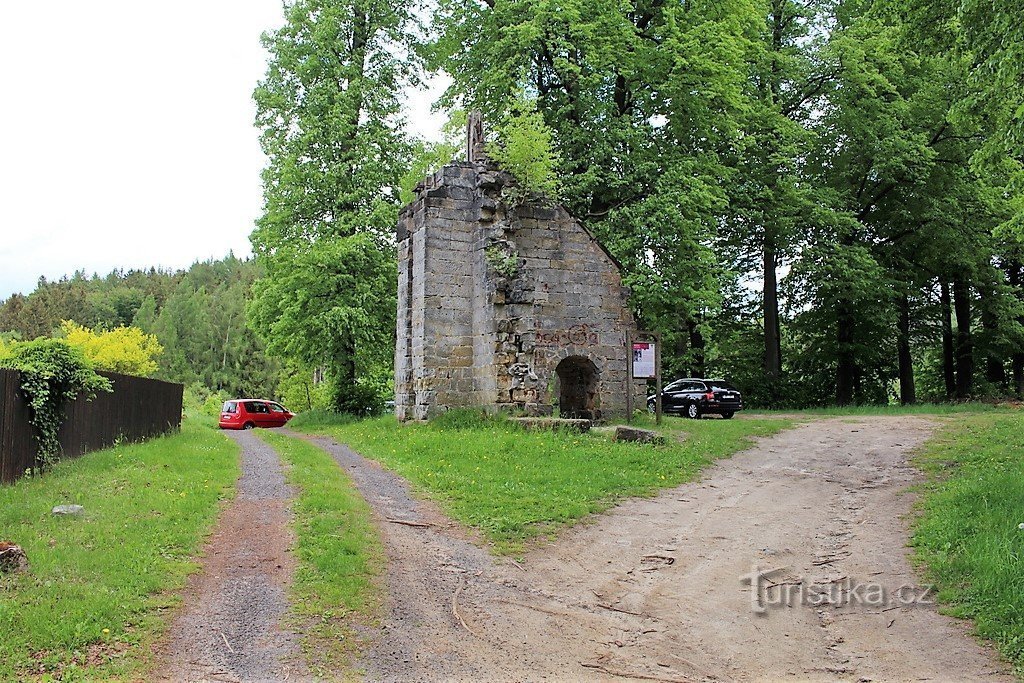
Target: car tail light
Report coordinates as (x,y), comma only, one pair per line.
(710,396)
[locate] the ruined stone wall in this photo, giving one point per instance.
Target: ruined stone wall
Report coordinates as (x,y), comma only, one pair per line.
(494,294)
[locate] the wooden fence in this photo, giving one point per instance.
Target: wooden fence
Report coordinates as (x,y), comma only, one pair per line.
(136,409)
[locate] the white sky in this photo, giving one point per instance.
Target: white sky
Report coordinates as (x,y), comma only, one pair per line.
(126,133)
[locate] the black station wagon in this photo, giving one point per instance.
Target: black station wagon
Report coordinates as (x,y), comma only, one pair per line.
(694,397)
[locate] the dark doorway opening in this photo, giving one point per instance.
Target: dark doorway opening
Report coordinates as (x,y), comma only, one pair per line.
(578,388)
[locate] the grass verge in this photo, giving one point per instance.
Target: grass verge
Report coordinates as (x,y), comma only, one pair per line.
(97,586)
(967,536)
(340,557)
(515,485)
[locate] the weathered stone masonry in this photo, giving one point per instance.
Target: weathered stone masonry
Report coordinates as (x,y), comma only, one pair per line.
(503,306)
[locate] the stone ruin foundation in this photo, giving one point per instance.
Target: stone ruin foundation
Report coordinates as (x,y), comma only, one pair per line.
(504,305)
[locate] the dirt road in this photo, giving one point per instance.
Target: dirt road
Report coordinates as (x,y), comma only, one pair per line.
(655,589)
(230,626)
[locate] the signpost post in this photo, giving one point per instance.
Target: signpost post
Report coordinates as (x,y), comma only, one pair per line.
(644,363)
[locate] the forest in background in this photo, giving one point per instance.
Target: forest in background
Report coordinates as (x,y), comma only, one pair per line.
(820,200)
(198,316)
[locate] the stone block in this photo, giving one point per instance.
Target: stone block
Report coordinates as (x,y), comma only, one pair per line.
(553,424)
(636,435)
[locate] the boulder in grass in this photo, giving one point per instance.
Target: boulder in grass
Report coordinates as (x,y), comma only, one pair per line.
(12,558)
(554,424)
(638,435)
(68,510)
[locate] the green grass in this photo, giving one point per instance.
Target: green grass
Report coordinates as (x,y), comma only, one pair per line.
(515,485)
(340,557)
(98,586)
(967,536)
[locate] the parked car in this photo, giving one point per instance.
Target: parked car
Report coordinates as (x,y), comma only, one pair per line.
(249,413)
(694,397)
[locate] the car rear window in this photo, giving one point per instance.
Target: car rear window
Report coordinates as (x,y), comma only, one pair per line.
(722,386)
(229,407)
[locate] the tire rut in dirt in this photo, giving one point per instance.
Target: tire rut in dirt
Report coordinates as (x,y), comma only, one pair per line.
(230,626)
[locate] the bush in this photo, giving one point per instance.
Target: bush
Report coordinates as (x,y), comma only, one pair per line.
(127,350)
(355,398)
(526,150)
(299,393)
(52,373)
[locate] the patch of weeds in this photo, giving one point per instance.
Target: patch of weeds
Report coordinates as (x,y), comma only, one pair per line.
(336,589)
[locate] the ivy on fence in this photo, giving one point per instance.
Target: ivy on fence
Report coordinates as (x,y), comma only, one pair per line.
(52,374)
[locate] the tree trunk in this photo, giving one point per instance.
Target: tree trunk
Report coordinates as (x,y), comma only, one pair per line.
(964,342)
(1014,274)
(698,365)
(948,361)
(908,395)
(846,369)
(772,337)
(682,348)
(995,370)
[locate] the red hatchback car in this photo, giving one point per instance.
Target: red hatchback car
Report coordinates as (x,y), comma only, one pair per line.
(249,413)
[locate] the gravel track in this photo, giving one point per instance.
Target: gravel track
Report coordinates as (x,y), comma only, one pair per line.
(230,626)
(653,589)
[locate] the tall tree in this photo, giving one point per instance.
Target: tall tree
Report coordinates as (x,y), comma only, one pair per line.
(643,100)
(328,111)
(770,203)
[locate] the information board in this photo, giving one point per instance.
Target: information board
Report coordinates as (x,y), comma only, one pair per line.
(644,360)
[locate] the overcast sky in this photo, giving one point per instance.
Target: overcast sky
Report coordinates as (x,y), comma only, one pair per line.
(126,135)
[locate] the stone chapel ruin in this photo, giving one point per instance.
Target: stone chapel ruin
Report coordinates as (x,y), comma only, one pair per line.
(504,305)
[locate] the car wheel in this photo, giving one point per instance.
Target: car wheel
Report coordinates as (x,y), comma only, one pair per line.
(249,425)
(728,414)
(693,411)
(651,407)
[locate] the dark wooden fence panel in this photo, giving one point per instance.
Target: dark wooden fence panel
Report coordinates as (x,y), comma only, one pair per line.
(17,446)
(136,409)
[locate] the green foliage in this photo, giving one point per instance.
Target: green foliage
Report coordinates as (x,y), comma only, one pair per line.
(197,315)
(354,398)
(515,485)
(968,534)
(337,588)
(52,374)
(330,306)
(127,350)
(428,157)
(524,148)
(502,261)
(105,583)
(299,392)
(777,179)
(337,157)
